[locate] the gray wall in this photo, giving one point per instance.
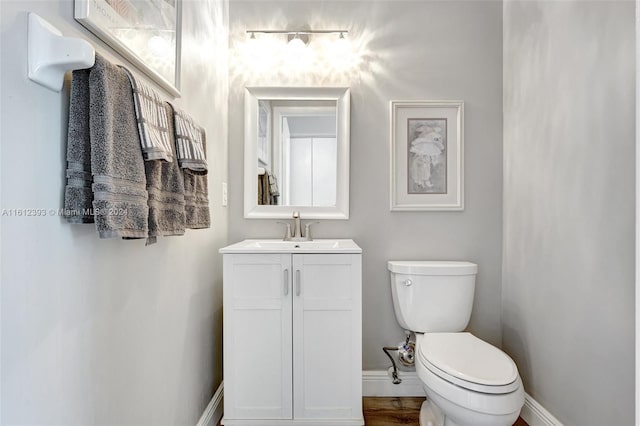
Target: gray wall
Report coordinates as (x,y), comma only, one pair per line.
(410,50)
(568,278)
(105,331)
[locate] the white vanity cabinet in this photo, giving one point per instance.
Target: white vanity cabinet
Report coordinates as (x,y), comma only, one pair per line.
(292,336)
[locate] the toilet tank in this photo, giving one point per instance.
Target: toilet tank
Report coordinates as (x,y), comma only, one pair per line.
(432,296)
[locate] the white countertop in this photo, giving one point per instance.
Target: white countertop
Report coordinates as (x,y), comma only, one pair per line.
(280,246)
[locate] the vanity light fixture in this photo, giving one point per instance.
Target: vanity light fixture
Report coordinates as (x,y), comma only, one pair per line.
(297,37)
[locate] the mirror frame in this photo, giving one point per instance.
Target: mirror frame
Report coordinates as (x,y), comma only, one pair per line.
(252,96)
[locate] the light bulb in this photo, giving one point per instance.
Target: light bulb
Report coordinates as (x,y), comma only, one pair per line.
(296,44)
(259,52)
(298,56)
(342,54)
(342,46)
(253,44)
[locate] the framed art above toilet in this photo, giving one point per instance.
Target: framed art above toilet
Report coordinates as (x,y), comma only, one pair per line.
(427,155)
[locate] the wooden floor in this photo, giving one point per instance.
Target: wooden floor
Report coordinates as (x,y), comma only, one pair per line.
(396,411)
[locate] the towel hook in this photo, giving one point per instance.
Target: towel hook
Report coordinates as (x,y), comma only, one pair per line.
(50,55)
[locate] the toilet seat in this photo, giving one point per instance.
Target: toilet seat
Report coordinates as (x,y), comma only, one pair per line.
(458,394)
(466,361)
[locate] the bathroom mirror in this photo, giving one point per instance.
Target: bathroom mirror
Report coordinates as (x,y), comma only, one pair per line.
(296,152)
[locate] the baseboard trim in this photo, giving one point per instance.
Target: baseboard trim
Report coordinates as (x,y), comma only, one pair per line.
(213,413)
(536,415)
(378,383)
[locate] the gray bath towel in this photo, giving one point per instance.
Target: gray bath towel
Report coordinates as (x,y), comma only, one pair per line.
(196,186)
(274,192)
(78,196)
(119,182)
(153,123)
(165,185)
(196,196)
(190,143)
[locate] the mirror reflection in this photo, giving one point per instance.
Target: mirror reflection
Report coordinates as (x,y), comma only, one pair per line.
(297,152)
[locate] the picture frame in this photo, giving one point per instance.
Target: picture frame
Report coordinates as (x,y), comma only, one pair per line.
(145,32)
(426,156)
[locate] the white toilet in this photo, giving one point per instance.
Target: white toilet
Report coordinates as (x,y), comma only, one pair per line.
(468,382)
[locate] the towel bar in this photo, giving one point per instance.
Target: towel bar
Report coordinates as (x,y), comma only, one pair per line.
(51,55)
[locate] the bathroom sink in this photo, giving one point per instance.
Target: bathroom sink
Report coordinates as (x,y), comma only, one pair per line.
(280,246)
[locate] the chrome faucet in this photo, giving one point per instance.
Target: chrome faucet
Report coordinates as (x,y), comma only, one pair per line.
(298,235)
(297,230)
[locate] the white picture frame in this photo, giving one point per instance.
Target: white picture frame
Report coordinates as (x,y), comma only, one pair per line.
(426,156)
(147,33)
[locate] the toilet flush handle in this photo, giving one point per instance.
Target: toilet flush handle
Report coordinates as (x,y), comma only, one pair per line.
(408,282)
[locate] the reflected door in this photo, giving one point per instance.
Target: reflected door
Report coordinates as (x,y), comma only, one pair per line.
(312,171)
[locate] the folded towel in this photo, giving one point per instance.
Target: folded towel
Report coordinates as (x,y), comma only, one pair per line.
(190,146)
(153,124)
(196,196)
(263,189)
(196,200)
(78,197)
(119,182)
(165,185)
(274,192)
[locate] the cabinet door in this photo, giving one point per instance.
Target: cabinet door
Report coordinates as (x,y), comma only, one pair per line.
(327,336)
(257,336)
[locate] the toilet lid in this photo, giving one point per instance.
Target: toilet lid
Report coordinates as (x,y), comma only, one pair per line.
(466,358)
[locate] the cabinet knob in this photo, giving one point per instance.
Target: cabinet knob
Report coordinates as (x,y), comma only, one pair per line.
(408,282)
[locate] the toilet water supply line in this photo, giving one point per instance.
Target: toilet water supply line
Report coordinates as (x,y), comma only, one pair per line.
(406,353)
(396,380)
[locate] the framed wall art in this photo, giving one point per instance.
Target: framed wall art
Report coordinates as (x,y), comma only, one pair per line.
(146,32)
(427,155)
